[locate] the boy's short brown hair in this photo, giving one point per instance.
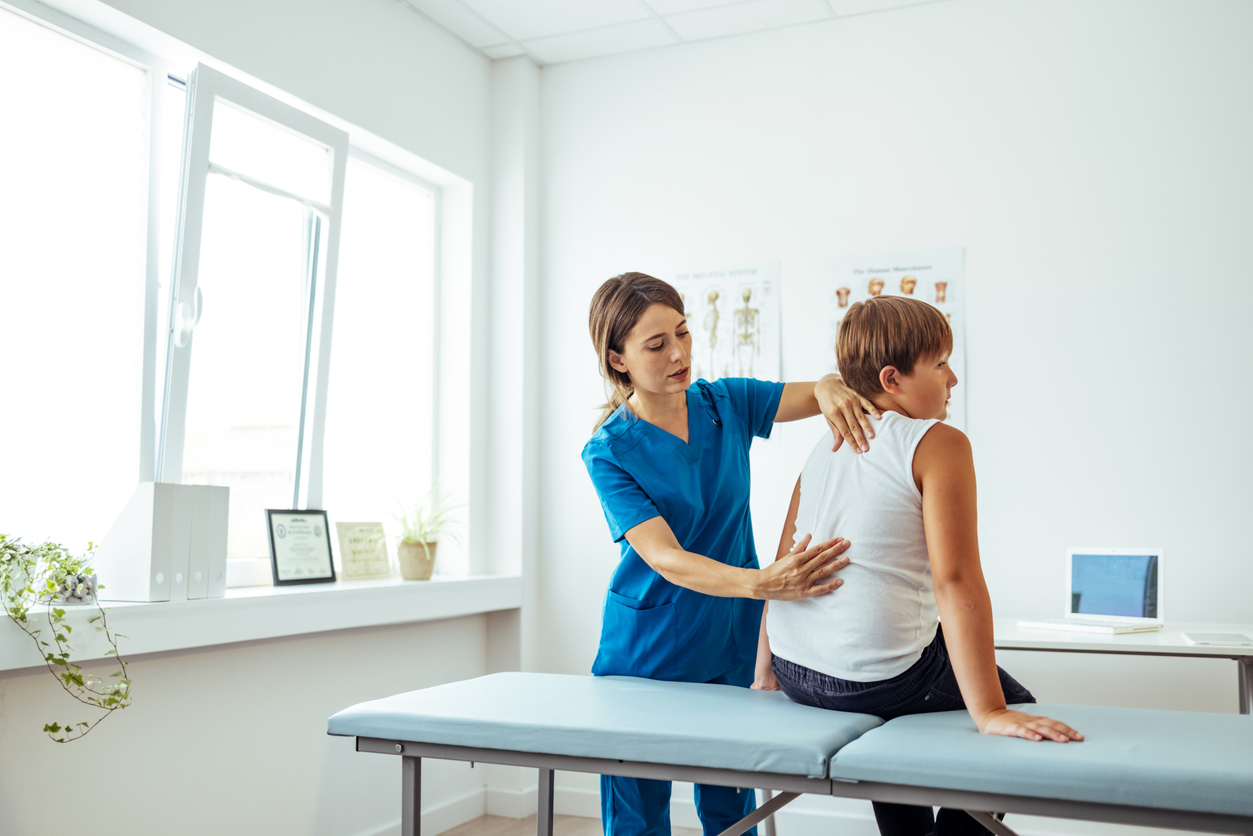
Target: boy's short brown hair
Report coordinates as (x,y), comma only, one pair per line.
(888,331)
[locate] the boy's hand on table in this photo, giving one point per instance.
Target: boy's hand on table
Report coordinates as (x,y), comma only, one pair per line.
(766,682)
(1010,723)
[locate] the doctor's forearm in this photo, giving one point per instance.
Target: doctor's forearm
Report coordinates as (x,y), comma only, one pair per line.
(702,574)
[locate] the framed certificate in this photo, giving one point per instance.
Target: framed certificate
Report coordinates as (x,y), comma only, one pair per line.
(300,547)
(362,551)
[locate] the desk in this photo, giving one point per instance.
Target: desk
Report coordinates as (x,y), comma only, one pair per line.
(1166,642)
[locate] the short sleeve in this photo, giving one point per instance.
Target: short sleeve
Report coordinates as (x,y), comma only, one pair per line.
(625,503)
(755,401)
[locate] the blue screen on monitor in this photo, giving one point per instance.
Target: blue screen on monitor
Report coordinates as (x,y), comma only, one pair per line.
(1114,584)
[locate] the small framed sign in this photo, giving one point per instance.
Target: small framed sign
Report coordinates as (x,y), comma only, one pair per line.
(362,550)
(300,547)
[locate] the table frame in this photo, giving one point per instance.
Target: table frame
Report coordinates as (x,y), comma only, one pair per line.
(789,787)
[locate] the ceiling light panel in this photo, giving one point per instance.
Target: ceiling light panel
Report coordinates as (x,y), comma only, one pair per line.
(671,7)
(752,16)
(541,18)
(860,7)
(461,21)
(608,40)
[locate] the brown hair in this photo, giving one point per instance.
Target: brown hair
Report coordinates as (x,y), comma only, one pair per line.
(616,307)
(888,331)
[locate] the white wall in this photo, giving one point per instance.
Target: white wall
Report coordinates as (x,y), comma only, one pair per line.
(232,739)
(1093,159)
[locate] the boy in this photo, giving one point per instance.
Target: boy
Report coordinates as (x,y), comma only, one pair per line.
(908,508)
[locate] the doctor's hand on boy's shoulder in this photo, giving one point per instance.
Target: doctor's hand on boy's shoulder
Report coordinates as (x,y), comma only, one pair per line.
(1010,723)
(847,413)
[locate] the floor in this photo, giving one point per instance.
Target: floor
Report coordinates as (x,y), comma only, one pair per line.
(562,826)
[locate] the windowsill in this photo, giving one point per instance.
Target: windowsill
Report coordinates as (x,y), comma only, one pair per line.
(259,612)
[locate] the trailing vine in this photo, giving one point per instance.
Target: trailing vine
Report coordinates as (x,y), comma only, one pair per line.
(46,575)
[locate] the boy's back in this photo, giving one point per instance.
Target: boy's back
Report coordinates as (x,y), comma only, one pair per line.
(885,615)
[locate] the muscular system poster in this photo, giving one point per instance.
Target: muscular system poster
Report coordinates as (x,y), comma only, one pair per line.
(733,314)
(936,277)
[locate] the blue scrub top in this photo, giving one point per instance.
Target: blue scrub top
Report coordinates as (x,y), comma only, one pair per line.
(651,627)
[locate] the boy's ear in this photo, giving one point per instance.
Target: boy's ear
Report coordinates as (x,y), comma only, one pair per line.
(615,361)
(890,380)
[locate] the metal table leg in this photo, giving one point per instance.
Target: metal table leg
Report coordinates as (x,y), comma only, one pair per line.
(766,795)
(410,796)
(1244,666)
(544,814)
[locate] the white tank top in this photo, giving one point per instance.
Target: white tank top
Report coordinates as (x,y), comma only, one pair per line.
(877,624)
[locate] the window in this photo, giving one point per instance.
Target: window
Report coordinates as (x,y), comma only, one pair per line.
(179,306)
(262,184)
(378,448)
(74,161)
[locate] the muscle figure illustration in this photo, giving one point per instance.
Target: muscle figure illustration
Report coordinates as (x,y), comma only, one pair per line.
(907,285)
(941,290)
(876,286)
(747,334)
(711,327)
(842,294)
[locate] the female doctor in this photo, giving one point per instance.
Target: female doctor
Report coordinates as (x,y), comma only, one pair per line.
(669,459)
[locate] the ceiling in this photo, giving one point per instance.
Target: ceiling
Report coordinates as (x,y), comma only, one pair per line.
(552,31)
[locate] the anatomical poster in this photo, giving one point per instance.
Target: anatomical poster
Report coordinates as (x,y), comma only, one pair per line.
(733,314)
(932,276)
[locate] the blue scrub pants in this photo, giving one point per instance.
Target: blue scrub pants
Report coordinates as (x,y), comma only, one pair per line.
(641,806)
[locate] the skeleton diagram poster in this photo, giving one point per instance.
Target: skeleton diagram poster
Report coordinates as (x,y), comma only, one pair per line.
(933,276)
(733,314)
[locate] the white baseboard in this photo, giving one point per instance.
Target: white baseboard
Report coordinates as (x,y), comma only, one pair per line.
(807,821)
(514,804)
(442,816)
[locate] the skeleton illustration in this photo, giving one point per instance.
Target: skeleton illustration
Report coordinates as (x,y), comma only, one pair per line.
(941,289)
(747,334)
(876,286)
(842,293)
(711,326)
(696,370)
(907,285)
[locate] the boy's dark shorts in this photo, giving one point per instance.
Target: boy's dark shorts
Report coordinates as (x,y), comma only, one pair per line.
(928,685)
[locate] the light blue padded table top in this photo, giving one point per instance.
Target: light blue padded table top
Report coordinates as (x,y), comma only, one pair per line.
(616,717)
(1146,758)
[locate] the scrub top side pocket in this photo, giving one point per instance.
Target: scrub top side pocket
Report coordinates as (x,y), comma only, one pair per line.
(636,640)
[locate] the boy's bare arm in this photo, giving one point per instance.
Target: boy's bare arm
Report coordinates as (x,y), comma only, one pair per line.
(945,473)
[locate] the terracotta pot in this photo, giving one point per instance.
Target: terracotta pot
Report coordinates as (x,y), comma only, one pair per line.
(417,560)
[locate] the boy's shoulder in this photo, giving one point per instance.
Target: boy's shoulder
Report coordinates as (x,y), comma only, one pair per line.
(942,444)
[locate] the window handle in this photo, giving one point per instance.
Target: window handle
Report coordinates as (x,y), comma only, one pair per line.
(186,318)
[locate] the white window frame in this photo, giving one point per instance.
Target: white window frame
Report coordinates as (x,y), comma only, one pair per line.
(204,88)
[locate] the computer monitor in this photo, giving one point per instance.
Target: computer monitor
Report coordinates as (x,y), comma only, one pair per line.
(1122,584)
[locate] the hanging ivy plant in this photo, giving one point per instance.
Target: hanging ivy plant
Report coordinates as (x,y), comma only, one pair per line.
(44,576)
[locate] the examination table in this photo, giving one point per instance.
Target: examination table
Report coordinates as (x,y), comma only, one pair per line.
(1170,769)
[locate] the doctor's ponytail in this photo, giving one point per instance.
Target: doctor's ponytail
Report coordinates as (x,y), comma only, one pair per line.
(616,307)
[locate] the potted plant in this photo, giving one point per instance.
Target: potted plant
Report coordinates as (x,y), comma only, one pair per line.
(420,528)
(48,575)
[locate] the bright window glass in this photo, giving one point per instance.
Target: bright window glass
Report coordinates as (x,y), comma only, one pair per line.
(247,359)
(379,411)
(250,145)
(73,229)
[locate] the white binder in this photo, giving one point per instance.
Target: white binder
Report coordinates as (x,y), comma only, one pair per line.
(164,536)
